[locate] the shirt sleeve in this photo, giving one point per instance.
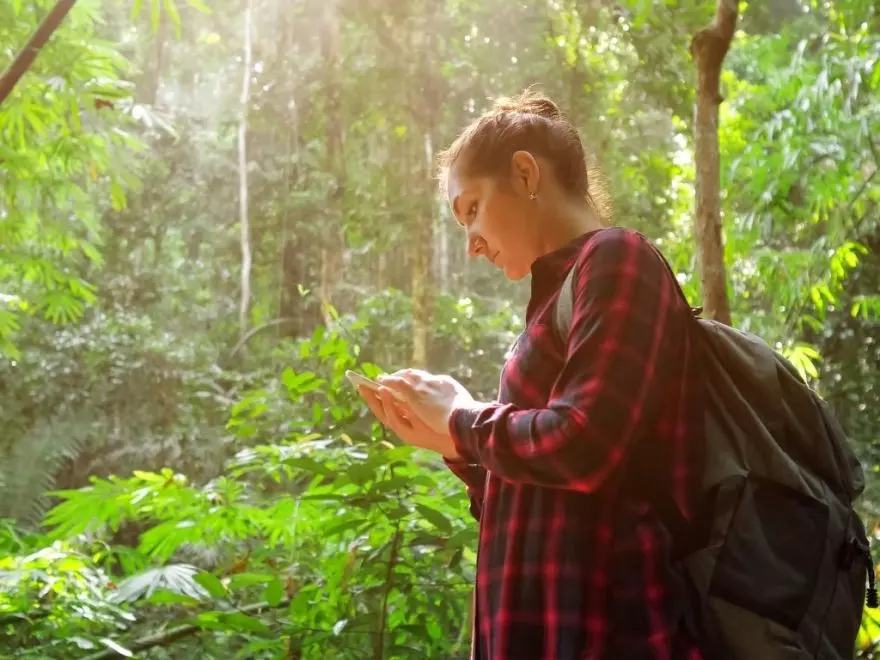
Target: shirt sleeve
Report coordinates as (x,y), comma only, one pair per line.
(474,477)
(624,341)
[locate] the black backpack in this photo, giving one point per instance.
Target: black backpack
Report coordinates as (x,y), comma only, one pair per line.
(775,567)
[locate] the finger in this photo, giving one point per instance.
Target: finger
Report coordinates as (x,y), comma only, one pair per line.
(374,403)
(378,407)
(403,410)
(401,387)
(396,422)
(398,405)
(412,376)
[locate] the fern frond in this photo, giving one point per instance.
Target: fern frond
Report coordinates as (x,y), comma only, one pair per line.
(30,463)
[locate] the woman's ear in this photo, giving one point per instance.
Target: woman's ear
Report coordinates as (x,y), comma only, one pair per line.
(526,173)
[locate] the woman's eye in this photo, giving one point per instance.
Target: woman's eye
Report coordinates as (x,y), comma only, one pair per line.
(472,209)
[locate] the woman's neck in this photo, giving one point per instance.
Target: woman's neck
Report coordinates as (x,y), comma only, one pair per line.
(568,222)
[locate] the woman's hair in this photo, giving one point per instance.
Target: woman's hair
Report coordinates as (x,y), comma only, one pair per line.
(535,124)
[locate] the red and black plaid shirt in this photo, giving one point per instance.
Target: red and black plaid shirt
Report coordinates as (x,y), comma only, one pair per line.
(572,565)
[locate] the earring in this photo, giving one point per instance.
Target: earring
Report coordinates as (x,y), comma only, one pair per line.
(533,196)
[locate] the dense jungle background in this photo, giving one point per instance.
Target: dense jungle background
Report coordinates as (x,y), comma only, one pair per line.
(208,212)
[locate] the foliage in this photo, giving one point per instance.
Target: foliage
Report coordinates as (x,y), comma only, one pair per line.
(62,146)
(349,541)
(171,489)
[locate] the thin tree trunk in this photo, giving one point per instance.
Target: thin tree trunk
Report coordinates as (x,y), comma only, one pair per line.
(421,264)
(709,48)
(290,302)
(333,244)
(441,241)
(379,648)
(29,53)
(243,178)
(154,79)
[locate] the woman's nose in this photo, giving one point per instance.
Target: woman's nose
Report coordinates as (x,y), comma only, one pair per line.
(476,246)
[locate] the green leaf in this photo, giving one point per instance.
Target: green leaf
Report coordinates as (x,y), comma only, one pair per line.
(248,579)
(288,377)
(211,583)
(136,8)
(455,562)
(273,592)
(117,196)
(174,14)
(242,621)
(70,564)
(310,465)
(121,650)
(346,525)
(155,11)
(436,518)
(198,5)
(166,597)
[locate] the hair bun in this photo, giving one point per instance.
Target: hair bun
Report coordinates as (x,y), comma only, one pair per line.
(541,106)
(530,103)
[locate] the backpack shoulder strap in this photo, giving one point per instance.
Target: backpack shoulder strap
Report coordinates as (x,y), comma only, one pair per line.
(564,312)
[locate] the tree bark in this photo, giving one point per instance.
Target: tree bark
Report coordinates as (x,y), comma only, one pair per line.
(422,289)
(29,53)
(333,242)
(709,48)
(154,77)
(244,221)
(292,264)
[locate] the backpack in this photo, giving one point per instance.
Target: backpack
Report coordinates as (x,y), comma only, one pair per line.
(774,566)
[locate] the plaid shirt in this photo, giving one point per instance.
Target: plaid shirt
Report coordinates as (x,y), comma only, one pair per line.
(569,568)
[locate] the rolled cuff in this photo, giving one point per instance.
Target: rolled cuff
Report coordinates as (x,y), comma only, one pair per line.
(464,436)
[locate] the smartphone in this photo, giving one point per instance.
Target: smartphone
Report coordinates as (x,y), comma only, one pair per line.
(359,380)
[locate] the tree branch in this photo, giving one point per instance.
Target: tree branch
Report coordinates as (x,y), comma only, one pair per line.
(28,54)
(179,632)
(254,331)
(386,592)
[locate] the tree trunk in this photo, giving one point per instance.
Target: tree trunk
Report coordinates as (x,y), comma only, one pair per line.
(154,77)
(441,242)
(244,223)
(332,244)
(293,265)
(423,239)
(709,48)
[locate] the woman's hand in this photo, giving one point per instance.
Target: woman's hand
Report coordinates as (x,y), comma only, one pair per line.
(399,418)
(431,398)
(421,418)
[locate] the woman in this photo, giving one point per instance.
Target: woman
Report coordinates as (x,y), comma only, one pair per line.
(572,560)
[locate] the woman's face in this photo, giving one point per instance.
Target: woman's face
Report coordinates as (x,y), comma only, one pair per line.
(499,219)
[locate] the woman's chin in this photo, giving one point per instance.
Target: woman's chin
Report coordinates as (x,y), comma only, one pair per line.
(512,273)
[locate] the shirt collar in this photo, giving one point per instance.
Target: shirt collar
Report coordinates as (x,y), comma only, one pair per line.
(552,267)
(549,270)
